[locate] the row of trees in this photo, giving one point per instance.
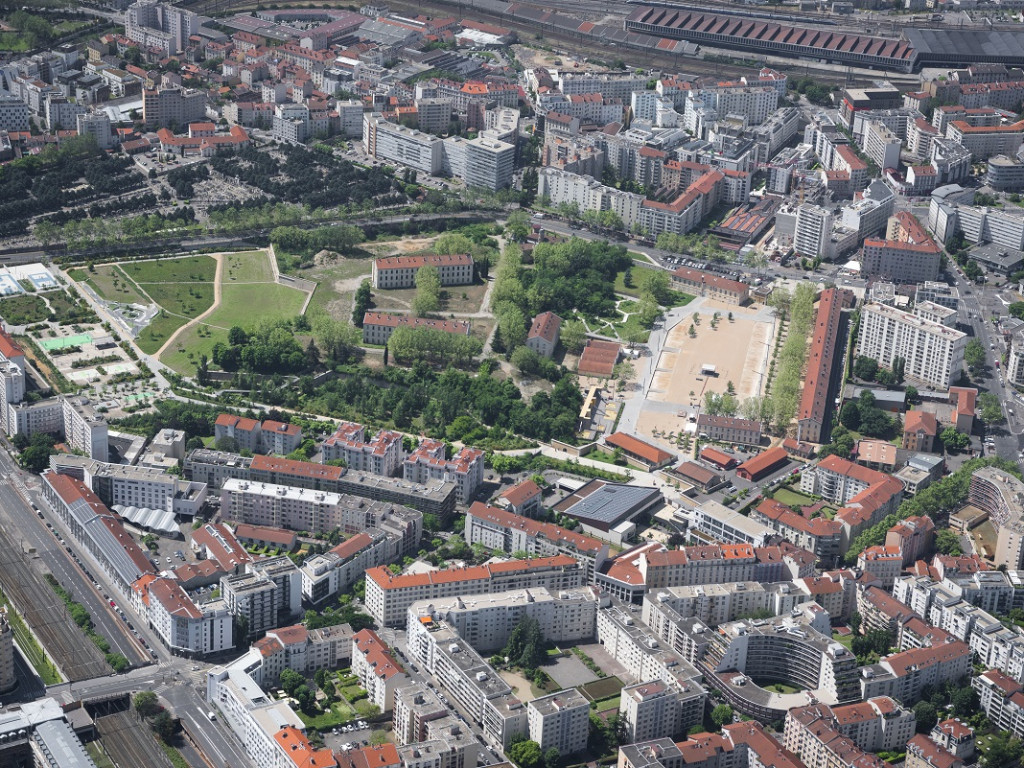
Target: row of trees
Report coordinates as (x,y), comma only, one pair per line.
(700,247)
(433,346)
(339,237)
(785,386)
(428,291)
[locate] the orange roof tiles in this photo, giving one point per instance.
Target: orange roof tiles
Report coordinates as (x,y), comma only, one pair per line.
(632,445)
(261,462)
(352,546)
(765,461)
(377,654)
(9,347)
(545,326)
(385,579)
(921,421)
(301,752)
(717,457)
(394,321)
(698,276)
(520,493)
(814,397)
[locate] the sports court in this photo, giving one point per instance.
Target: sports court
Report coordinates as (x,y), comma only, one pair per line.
(78,340)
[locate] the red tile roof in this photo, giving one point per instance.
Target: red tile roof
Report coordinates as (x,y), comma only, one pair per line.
(814,397)
(301,752)
(9,347)
(384,578)
(393,321)
(717,457)
(634,446)
(921,421)
(277,465)
(763,462)
(377,654)
(598,358)
(519,494)
(545,326)
(421,260)
(700,277)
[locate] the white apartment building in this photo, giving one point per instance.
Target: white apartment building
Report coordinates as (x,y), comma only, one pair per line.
(882,145)
(254,718)
(350,113)
(870,214)
(135,486)
(381,455)
(397,143)
(813,230)
(184,626)
(507,532)
(85,430)
(611,85)
(933,353)
(163,106)
(756,103)
(719,523)
(588,195)
(487,621)
(325,575)
(95,124)
(1002,699)
(394,272)
(984,142)
(153,24)
(428,463)
(388,596)
(651,710)
(471,681)
(639,650)
(489,163)
(377,669)
(560,721)
(268,594)
(1015,360)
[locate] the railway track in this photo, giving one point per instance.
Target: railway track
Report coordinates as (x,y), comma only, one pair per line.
(73,653)
(130,743)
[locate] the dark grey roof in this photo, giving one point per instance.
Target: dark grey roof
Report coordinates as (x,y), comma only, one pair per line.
(608,503)
(59,747)
(967,44)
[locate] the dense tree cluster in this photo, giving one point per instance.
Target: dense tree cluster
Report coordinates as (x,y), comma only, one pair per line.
(341,237)
(862,415)
(573,274)
(867,368)
(785,385)
(439,398)
(85,233)
(184,178)
(271,347)
(54,178)
(362,303)
(429,345)
(525,646)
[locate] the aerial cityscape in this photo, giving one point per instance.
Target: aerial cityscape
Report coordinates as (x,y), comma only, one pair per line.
(473,383)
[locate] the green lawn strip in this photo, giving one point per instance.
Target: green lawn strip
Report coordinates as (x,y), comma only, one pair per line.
(791,498)
(34,653)
(112,284)
(193,269)
(247,267)
(612,702)
(160,330)
(176,758)
(236,308)
(844,640)
(98,755)
(340,713)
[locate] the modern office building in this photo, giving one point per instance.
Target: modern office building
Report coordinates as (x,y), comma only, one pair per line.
(163,107)
(489,163)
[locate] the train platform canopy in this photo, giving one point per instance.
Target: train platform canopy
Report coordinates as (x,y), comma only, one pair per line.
(941,46)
